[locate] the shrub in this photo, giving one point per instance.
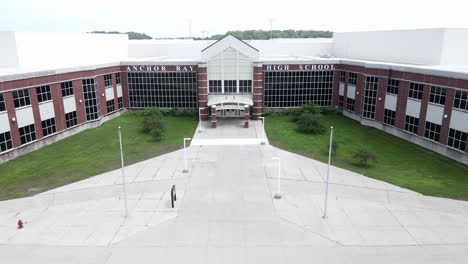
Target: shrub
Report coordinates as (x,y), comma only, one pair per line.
(334,146)
(153,123)
(363,155)
(310,123)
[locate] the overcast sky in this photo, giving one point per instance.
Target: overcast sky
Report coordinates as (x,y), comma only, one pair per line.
(171,18)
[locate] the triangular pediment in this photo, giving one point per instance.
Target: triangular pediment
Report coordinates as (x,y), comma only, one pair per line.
(229,41)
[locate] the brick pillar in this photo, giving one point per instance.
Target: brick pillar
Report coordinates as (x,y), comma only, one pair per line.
(36,113)
(101,94)
(445,127)
(79,100)
(56,91)
(380,100)
(258,91)
(423,110)
(345,93)
(213,116)
(202,91)
(246,116)
(124,79)
(402,100)
(359,91)
(10,107)
(336,87)
(114,88)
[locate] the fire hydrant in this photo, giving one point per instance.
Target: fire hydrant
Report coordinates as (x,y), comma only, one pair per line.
(20,224)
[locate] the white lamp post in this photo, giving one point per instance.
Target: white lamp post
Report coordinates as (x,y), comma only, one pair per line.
(278,194)
(328,174)
(185,155)
(263,121)
(199,119)
(123,175)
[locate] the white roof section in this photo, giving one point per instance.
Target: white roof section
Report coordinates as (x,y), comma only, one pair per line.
(229,42)
(229,99)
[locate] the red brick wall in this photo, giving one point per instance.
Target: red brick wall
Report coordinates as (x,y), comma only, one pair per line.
(258,93)
(202,91)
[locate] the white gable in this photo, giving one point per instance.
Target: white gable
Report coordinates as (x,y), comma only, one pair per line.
(229,42)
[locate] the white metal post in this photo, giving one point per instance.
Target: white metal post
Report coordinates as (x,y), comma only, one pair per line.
(199,119)
(278,194)
(123,174)
(185,155)
(263,121)
(328,174)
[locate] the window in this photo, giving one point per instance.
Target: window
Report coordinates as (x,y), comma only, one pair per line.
(117,78)
(91,99)
(296,88)
(108,80)
(110,106)
(21,98)
(230,86)
(2,103)
(43,93)
(432,131)
(342,77)
(48,126)
(352,78)
(461,100)
(457,139)
(350,104)
(416,90)
(370,94)
(120,102)
(5,141)
(163,89)
(340,101)
(67,88)
(389,117)
(437,95)
(70,119)
(392,86)
(411,124)
(215,86)
(245,86)
(27,134)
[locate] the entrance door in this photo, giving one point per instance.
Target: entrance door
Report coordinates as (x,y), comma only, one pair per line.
(230,113)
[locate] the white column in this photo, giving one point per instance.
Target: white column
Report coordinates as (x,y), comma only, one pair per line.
(237,68)
(222,72)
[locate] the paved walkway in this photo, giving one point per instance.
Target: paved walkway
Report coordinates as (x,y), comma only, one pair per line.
(225,213)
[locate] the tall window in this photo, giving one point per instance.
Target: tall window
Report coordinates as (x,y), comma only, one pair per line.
(389,117)
(67,88)
(370,94)
(117,78)
(230,86)
(91,99)
(340,101)
(392,86)
(461,100)
(21,98)
(437,95)
(350,104)
(108,80)
(5,141)
(215,86)
(296,88)
(416,90)
(43,93)
(245,86)
(27,134)
(48,126)
(71,119)
(120,102)
(162,89)
(110,106)
(457,139)
(2,103)
(352,78)
(342,77)
(411,124)
(432,131)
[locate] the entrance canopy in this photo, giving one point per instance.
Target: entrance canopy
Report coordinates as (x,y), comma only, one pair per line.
(230,100)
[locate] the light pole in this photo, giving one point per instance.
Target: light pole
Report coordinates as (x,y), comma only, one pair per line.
(328,174)
(123,175)
(199,119)
(185,155)
(278,194)
(263,121)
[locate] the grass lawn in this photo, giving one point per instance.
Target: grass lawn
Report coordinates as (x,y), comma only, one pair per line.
(398,162)
(88,153)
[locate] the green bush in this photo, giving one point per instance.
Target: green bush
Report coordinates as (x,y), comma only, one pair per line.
(310,123)
(153,123)
(364,155)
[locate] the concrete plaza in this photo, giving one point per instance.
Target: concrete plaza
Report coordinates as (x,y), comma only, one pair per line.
(225,213)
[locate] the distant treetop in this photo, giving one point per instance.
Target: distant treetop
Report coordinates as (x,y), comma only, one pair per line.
(131,34)
(262,34)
